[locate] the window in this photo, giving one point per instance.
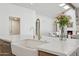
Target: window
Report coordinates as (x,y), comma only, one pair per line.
(65,6)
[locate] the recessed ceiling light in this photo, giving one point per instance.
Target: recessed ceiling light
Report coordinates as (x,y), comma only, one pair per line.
(66,7)
(61,5)
(31,3)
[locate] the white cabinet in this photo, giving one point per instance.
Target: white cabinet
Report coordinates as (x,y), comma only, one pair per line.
(74,53)
(77,52)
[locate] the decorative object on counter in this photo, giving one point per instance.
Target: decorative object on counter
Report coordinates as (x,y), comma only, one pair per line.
(69,36)
(62,20)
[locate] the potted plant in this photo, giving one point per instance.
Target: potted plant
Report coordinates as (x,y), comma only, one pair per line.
(62,20)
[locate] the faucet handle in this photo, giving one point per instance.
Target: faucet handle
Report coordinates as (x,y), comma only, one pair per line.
(33,36)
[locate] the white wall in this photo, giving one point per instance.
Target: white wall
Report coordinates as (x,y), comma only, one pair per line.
(71,12)
(27,21)
(46,24)
(26,15)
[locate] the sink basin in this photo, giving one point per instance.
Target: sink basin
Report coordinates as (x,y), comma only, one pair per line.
(26,47)
(31,43)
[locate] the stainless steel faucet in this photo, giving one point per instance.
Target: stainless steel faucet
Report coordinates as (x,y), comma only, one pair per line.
(38,28)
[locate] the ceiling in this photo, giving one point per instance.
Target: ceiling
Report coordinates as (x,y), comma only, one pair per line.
(46,9)
(76,5)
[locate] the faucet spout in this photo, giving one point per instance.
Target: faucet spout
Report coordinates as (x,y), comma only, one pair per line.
(38,28)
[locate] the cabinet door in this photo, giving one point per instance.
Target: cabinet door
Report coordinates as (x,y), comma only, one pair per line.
(42,53)
(5,48)
(74,53)
(77,52)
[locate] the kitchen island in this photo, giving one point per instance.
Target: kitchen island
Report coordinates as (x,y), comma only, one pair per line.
(53,46)
(68,47)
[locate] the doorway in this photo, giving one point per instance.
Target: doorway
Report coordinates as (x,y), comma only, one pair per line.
(14,25)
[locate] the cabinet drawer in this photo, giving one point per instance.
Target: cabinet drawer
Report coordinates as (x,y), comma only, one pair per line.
(5,47)
(42,53)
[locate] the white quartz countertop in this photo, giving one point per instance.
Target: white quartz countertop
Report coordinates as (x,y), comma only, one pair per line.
(12,38)
(9,38)
(53,45)
(59,47)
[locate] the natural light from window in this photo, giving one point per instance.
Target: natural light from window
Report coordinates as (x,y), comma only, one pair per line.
(65,6)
